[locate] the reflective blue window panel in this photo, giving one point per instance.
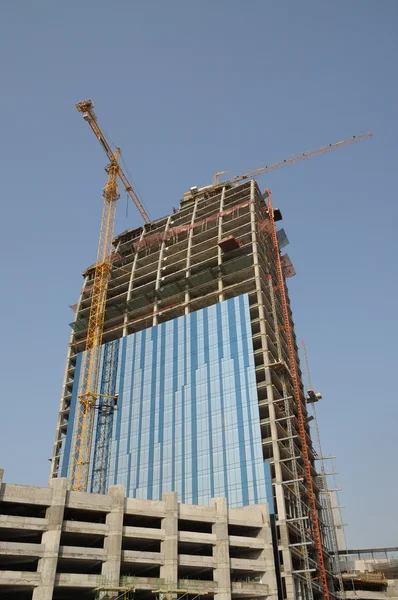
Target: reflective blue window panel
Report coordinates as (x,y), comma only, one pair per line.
(187,417)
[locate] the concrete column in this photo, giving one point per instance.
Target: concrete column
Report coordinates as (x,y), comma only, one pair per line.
(267,553)
(1,477)
(169,547)
(163,247)
(189,251)
(221,550)
(113,541)
(219,253)
(47,567)
(131,283)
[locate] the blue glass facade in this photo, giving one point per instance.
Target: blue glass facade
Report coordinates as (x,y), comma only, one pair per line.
(187,417)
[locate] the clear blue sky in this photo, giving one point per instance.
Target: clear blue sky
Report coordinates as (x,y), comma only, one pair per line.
(187,88)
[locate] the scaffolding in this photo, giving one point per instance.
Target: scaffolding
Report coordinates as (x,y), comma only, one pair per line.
(161,589)
(328,516)
(308,468)
(301,516)
(106,408)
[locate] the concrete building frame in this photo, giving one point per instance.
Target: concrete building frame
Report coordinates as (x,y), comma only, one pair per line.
(177,265)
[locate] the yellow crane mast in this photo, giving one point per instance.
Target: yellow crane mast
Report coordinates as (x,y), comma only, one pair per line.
(90,371)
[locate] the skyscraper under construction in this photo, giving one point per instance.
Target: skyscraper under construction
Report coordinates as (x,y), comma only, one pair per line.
(200,388)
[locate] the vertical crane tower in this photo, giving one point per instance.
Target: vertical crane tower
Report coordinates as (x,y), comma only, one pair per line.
(91,364)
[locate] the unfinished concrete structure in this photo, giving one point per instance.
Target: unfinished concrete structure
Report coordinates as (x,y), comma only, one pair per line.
(370,573)
(214,250)
(56,544)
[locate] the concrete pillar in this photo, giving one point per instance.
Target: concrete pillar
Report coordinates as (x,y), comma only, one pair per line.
(163,247)
(47,567)
(1,477)
(131,283)
(267,553)
(169,547)
(219,251)
(113,541)
(221,550)
(189,251)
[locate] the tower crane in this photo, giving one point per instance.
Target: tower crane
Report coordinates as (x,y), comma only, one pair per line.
(81,452)
(293,159)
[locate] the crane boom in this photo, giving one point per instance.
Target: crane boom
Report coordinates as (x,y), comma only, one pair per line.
(295,159)
(86,107)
